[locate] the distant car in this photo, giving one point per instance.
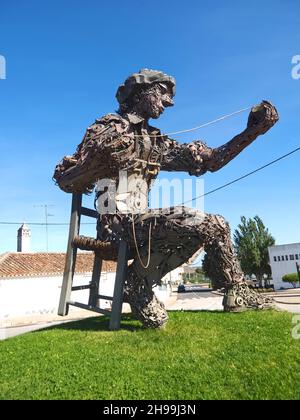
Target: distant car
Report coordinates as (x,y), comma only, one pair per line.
(196,288)
(181,288)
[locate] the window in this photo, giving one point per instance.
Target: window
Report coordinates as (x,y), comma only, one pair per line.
(292,257)
(286,257)
(296,256)
(282,258)
(275,259)
(278,258)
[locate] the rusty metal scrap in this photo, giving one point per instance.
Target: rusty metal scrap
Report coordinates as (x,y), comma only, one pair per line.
(125,141)
(107,250)
(239,297)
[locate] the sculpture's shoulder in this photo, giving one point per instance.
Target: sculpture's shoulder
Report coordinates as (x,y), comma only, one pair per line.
(109,118)
(109,122)
(103,129)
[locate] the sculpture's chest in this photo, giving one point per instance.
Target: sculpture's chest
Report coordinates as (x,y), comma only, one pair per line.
(147,157)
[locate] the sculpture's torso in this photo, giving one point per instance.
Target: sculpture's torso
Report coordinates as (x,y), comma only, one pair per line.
(133,181)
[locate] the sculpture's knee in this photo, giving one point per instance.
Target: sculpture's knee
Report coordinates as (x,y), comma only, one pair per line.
(215,229)
(217,221)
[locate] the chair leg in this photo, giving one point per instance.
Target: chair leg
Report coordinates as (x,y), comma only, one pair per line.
(116,311)
(70,256)
(94,291)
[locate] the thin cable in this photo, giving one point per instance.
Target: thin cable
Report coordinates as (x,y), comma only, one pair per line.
(189,201)
(199,126)
(243,176)
(136,245)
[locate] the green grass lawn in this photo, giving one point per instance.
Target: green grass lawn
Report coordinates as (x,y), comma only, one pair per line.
(199,355)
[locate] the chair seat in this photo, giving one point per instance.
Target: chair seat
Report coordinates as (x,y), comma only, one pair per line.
(106,250)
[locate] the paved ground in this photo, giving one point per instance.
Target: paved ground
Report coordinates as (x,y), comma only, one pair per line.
(205,300)
(288,300)
(19,330)
(21,325)
(195,301)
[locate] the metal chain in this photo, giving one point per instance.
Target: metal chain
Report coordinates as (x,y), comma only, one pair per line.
(136,245)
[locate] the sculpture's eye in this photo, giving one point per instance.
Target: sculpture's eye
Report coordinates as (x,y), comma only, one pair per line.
(163,88)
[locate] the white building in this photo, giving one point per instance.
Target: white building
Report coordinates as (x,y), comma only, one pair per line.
(30,283)
(283,260)
(24,239)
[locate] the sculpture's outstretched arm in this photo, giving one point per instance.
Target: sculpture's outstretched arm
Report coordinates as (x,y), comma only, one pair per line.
(196,158)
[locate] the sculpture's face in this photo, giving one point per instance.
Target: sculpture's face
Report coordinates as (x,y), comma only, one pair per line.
(152,101)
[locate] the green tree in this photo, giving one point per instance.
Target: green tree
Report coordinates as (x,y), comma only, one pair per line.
(251,241)
(196,277)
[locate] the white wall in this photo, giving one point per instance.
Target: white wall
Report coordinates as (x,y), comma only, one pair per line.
(285,266)
(174,276)
(40,295)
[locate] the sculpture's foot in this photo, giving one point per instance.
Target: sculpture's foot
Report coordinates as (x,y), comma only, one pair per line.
(144,304)
(152,313)
(239,297)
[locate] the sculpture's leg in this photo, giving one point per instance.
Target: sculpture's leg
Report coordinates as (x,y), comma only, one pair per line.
(220,261)
(138,291)
(175,238)
(223,268)
(170,248)
(144,304)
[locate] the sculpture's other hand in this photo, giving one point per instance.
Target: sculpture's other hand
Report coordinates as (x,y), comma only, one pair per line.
(262,117)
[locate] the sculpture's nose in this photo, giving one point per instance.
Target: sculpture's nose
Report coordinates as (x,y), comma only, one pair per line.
(167,101)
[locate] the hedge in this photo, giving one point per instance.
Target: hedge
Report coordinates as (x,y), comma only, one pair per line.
(291,278)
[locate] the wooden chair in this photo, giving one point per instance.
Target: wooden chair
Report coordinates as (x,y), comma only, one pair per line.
(102,251)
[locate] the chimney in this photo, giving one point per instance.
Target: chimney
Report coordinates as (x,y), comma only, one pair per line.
(24,236)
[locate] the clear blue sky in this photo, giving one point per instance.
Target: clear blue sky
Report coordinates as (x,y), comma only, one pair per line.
(65,60)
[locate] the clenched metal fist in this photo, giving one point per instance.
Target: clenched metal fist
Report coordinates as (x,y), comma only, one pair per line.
(263,117)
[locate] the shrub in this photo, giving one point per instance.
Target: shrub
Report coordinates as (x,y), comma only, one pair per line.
(291,278)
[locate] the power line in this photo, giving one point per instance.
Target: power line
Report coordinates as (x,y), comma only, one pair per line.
(189,201)
(242,177)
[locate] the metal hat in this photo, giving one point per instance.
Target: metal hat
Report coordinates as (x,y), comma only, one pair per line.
(143,77)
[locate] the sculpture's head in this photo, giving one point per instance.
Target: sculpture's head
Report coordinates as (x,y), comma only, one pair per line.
(146,93)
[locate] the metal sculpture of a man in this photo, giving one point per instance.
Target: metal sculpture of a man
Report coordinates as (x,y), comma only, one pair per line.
(163,239)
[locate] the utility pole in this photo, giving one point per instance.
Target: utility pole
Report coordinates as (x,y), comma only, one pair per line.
(45,206)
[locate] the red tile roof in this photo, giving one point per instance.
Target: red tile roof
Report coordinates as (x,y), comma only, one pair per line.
(19,264)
